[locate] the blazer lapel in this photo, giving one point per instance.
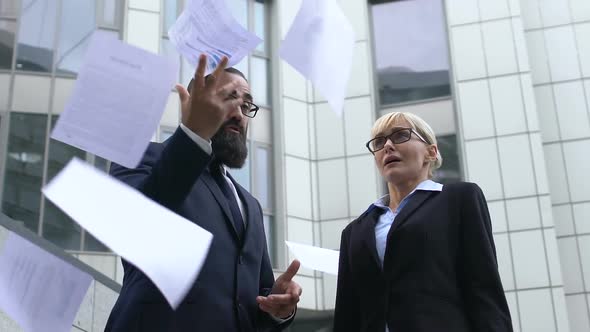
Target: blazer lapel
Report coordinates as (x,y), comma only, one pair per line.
(368,233)
(414,203)
(214,188)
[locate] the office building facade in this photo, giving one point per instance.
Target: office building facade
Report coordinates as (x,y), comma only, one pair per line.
(505,84)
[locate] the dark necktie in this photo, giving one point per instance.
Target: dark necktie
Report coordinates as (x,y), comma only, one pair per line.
(216,172)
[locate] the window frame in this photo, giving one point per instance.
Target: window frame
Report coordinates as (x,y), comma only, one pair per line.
(48,112)
(373,44)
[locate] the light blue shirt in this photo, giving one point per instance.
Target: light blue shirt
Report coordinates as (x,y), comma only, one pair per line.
(386,219)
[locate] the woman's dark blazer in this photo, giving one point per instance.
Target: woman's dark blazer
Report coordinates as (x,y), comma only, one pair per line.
(439,273)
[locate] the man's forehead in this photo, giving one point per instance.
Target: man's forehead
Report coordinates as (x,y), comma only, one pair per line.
(242,87)
(230,77)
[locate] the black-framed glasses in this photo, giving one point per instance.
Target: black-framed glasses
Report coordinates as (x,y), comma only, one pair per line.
(249,109)
(397,137)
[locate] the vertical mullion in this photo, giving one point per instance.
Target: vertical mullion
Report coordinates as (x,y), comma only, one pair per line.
(49,113)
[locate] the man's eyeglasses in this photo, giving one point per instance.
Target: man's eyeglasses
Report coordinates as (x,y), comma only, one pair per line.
(397,137)
(249,109)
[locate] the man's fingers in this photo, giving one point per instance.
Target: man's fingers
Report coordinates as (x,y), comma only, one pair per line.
(199,82)
(266,308)
(291,271)
(182,93)
(276,310)
(219,70)
(281,299)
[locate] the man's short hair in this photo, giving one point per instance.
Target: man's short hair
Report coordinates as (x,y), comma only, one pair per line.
(230,70)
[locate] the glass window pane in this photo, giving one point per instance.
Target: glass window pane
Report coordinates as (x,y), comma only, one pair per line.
(239,10)
(92,244)
(7,30)
(167,49)
(165,134)
(259,80)
(114,34)
(24,168)
(36,35)
(243,66)
(101,163)
(170,14)
(269,233)
(410,50)
(111,13)
(57,226)
(188,72)
(260,23)
(242,175)
(450,171)
(9,7)
(77,26)
(263,177)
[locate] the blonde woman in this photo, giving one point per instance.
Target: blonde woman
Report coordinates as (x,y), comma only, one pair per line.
(422,258)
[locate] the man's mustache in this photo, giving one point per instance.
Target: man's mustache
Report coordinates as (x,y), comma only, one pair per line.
(235,123)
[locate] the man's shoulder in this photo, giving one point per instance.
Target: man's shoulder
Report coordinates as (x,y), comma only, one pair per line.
(150,156)
(154,148)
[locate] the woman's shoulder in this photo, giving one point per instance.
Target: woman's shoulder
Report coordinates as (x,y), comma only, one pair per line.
(461,186)
(367,215)
(464,191)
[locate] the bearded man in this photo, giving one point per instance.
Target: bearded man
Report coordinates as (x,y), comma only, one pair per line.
(235,290)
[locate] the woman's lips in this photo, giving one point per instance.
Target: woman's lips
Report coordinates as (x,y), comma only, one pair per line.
(391,160)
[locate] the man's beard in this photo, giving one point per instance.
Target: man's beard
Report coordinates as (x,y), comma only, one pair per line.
(229,147)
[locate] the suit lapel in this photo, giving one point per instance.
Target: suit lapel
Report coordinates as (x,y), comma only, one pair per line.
(247,203)
(414,203)
(368,233)
(220,198)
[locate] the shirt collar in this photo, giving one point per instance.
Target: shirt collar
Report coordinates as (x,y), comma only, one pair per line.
(426,185)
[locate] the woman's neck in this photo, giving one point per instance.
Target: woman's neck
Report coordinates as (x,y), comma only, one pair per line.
(398,191)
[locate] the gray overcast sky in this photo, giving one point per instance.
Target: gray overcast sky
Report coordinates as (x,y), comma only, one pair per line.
(410,34)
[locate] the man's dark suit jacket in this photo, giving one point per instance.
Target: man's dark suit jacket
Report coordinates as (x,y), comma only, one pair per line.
(439,272)
(223,298)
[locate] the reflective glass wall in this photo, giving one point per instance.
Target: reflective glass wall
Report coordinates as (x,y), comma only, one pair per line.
(256,175)
(42,46)
(411,69)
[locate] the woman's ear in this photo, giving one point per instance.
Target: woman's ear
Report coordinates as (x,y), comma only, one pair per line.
(432,152)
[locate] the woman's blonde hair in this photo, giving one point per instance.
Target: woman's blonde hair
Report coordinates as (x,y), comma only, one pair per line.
(385,123)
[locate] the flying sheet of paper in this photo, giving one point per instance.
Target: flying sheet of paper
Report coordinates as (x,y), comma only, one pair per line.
(315,258)
(207,26)
(118,100)
(168,248)
(320,45)
(38,290)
